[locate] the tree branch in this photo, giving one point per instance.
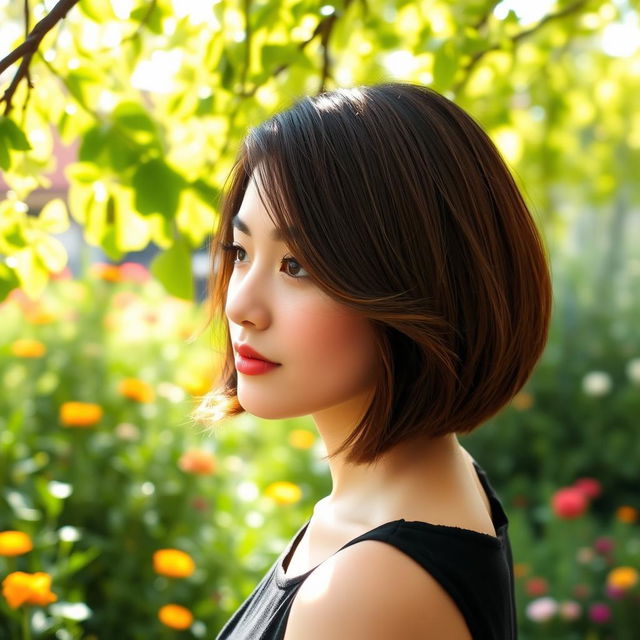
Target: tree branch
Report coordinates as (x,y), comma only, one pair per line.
(475,59)
(29,47)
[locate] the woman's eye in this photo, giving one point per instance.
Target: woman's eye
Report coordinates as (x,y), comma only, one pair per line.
(295,272)
(292,266)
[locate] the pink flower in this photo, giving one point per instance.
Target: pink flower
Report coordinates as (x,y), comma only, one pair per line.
(599,612)
(604,545)
(589,486)
(541,609)
(134,272)
(569,503)
(615,593)
(570,610)
(65,274)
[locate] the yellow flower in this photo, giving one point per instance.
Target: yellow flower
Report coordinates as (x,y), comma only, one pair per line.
(28,348)
(522,401)
(173,563)
(626,513)
(521,569)
(80,414)
(284,492)
(623,577)
(28,588)
(301,439)
(175,616)
(196,384)
(137,390)
(14,543)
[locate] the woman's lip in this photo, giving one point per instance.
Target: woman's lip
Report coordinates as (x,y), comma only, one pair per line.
(245,351)
(253,366)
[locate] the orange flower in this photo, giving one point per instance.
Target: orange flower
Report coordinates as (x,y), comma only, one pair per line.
(622,577)
(522,401)
(198,462)
(14,543)
(108,272)
(28,348)
(626,513)
(137,390)
(173,563)
(175,616)
(284,492)
(301,439)
(521,569)
(80,414)
(40,316)
(28,588)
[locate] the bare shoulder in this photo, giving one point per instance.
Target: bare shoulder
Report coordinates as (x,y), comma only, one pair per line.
(372,590)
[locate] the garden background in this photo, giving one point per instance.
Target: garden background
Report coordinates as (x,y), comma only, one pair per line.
(119,518)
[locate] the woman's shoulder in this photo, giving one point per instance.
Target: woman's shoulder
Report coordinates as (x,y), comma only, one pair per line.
(373,590)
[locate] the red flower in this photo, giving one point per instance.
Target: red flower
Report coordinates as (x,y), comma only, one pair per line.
(569,503)
(536,586)
(589,486)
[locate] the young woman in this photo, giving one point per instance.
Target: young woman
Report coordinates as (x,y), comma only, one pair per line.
(378,269)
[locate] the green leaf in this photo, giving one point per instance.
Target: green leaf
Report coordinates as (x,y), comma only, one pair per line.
(31,271)
(12,135)
(445,65)
(157,188)
(86,172)
(195,219)
(51,253)
(8,280)
(136,120)
(153,21)
(98,10)
(53,217)
(207,192)
(94,143)
(173,269)
(5,158)
(12,234)
(123,152)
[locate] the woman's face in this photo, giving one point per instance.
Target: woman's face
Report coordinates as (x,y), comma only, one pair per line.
(325,352)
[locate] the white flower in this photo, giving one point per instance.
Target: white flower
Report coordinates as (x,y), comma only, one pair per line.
(541,609)
(633,370)
(596,383)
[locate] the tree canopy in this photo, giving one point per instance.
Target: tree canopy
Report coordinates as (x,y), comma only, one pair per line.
(158,94)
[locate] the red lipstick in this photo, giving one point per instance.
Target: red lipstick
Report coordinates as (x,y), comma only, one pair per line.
(252,363)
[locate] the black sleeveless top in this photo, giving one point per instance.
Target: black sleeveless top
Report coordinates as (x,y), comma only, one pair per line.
(474,568)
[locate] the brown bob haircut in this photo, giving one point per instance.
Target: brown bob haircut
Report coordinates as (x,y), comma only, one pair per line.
(406,213)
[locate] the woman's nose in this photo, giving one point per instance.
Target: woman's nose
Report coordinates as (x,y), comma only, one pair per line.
(248,300)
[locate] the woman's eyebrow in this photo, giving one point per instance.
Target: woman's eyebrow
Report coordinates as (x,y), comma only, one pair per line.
(275,233)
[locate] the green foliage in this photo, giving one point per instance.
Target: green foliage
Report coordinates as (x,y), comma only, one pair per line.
(159,100)
(99,500)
